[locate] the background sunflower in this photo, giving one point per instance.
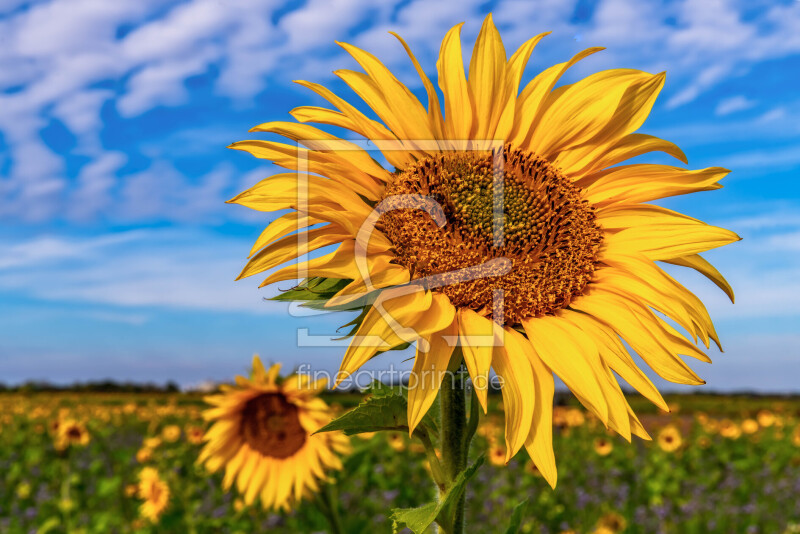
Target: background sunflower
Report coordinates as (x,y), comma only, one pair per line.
(262,434)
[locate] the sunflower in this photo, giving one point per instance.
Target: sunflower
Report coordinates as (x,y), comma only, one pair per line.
(603,446)
(670,439)
(504,232)
(750,426)
(171,433)
(71,433)
(497,455)
(155,493)
(263,435)
(194,434)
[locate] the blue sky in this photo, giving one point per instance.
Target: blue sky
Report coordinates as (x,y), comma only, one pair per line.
(119,253)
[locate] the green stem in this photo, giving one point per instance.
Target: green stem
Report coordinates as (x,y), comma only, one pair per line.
(66,500)
(454,437)
(328,501)
(433,460)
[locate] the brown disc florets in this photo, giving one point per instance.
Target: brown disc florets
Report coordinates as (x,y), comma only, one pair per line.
(271,425)
(520,228)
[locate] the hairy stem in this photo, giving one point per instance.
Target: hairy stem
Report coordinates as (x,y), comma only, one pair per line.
(454,437)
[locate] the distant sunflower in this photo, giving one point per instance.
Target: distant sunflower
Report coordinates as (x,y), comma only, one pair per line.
(553,286)
(155,493)
(71,433)
(670,439)
(171,433)
(603,446)
(194,434)
(263,436)
(497,455)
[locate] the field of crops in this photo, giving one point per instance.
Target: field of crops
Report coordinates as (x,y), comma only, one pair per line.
(716,464)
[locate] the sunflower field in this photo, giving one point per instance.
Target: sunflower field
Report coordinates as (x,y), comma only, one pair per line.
(100,463)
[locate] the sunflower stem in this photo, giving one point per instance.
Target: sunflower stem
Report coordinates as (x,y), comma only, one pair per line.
(454,439)
(329,506)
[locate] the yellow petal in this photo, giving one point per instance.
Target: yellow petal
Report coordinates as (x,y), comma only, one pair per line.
(321,141)
(478,337)
(385,326)
(296,190)
(457,99)
(666,241)
(511,362)
(580,111)
(645,182)
(399,109)
(335,167)
(372,130)
(487,79)
(638,326)
(430,367)
(616,356)
(540,439)
(291,247)
(530,103)
(701,265)
(514,69)
(435,118)
(571,356)
(282,226)
(593,158)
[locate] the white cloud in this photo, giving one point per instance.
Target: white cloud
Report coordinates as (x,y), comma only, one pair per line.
(733,104)
(162,269)
(57,51)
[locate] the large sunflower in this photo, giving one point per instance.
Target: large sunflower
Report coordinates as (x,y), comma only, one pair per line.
(506,228)
(263,436)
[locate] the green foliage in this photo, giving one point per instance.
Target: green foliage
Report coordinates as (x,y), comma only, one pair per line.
(516,518)
(420,518)
(314,292)
(725,486)
(385,409)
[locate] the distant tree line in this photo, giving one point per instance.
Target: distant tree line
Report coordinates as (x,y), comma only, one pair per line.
(98,386)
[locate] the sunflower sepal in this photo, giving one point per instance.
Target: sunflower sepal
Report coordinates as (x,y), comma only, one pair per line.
(419,519)
(314,292)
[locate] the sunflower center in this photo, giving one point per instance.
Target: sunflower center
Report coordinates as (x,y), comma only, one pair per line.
(517,225)
(271,425)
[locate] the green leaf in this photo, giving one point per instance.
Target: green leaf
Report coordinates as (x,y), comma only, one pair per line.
(516,518)
(314,292)
(419,519)
(385,409)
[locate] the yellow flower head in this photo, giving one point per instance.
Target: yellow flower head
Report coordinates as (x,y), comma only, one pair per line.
(144,455)
(603,446)
(765,418)
(729,429)
(504,221)
(670,439)
(155,493)
(750,426)
(796,436)
(23,490)
(152,443)
(611,523)
(171,433)
(71,433)
(194,434)
(497,455)
(396,441)
(263,436)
